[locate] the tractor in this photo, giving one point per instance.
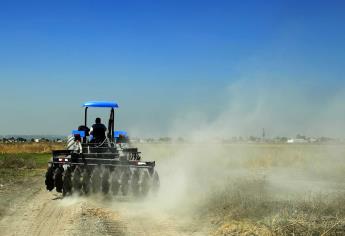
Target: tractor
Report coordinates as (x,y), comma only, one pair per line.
(110,166)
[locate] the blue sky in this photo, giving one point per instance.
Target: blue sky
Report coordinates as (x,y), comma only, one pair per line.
(164,60)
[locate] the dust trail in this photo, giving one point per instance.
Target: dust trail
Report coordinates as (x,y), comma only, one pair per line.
(268,100)
(205,182)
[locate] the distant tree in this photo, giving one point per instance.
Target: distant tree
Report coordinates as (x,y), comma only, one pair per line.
(181,140)
(20,139)
(253,139)
(165,139)
(298,136)
(150,140)
(325,139)
(283,139)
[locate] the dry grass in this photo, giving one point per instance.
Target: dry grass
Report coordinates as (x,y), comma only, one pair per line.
(262,189)
(247,207)
(29,147)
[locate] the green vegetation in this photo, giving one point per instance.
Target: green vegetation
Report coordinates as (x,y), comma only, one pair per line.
(21,168)
(24,160)
(18,173)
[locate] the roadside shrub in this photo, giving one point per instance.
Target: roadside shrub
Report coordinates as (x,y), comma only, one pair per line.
(30,164)
(12,162)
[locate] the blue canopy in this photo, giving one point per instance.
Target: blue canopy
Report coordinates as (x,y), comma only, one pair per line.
(101,104)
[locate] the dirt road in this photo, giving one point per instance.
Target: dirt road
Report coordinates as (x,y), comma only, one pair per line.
(38,212)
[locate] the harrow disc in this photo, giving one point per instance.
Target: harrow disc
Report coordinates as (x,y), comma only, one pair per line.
(86,181)
(115,181)
(76,180)
(105,181)
(155,183)
(125,181)
(135,185)
(58,180)
(96,180)
(49,179)
(145,183)
(67,182)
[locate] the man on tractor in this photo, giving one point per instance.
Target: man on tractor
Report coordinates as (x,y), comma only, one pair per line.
(98,131)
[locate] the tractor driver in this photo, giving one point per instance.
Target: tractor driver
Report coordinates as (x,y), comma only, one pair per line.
(98,131)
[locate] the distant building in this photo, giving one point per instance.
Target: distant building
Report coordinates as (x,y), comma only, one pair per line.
(297,140)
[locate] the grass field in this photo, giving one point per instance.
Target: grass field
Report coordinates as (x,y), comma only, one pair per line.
(23,157)
(20,166)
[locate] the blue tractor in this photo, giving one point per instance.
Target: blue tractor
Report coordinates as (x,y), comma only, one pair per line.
(91,165)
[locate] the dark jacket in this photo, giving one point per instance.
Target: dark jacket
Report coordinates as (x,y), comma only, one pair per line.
(98,132)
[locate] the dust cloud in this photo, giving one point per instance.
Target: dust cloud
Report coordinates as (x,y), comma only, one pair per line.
(203,173)
(281,106)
